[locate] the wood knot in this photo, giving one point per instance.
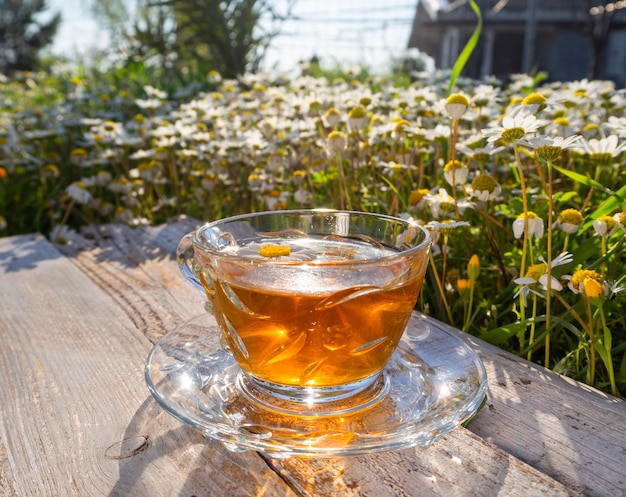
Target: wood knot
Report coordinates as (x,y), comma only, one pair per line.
(128,447)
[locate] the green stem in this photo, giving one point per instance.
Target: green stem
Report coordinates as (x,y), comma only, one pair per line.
(441,289)
(532,329)
(549,263)
(525,241)
(592,343)
(468,314)
(609,362)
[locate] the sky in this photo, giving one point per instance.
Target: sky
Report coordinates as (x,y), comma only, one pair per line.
(372,32)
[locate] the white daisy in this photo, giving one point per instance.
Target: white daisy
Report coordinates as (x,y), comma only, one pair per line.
(535,226)
(537,277)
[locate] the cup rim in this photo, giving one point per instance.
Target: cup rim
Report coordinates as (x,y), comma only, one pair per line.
(425,243)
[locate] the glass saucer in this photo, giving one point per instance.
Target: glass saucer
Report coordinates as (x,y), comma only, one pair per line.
(434,383)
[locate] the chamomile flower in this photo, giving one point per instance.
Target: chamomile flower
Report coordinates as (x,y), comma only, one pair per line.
(357,118)
(78,192)
(418,198)
(582,279)
(569,221)
(335,143)
(515,126)
(605,225)
(455,172)
(456,105)
(441,203)
(549,148)
(535,225)
(620,217)
(603,150)
(484,187)
(536,277)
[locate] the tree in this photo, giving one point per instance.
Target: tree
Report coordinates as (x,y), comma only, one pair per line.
(230,36)
(23,35)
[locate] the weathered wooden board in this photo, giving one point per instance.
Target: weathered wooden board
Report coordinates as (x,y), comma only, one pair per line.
(76,416)
(539,434)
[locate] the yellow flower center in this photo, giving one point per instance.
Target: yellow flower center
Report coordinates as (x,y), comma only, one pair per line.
(457,98)
(417,195)
(549,153)
(531,215)
(534,99)
(452,165)
(581,276)
(357,112)
(274,250)
(513,134)
(536,271)
(484,183)
(602,158)
(610,222)
(571,216)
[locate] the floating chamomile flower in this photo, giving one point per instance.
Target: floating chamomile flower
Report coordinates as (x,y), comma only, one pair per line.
(484,187)
(535,225)
(569,221)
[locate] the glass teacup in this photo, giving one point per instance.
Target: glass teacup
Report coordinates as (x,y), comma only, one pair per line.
(311,303)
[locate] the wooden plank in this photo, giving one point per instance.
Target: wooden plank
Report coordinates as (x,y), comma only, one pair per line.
(147,278)
(564,428)
(458,464)
(76,417)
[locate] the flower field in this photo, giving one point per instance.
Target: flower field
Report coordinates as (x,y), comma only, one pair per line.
(523,186)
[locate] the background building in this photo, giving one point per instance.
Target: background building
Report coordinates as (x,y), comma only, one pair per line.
(569,39)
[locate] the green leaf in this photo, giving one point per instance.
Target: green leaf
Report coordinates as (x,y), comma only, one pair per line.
(500,335)
(582,179)
(468,49)
(610,204)
(562,198)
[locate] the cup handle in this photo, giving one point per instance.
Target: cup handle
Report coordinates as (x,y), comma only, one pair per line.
(185,258)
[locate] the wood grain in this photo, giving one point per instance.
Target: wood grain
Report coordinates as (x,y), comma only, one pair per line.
(77,418)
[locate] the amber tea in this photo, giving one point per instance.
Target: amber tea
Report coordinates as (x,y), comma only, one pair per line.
(321,334)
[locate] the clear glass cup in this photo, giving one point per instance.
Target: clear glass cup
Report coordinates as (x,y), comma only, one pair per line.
(310,303)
